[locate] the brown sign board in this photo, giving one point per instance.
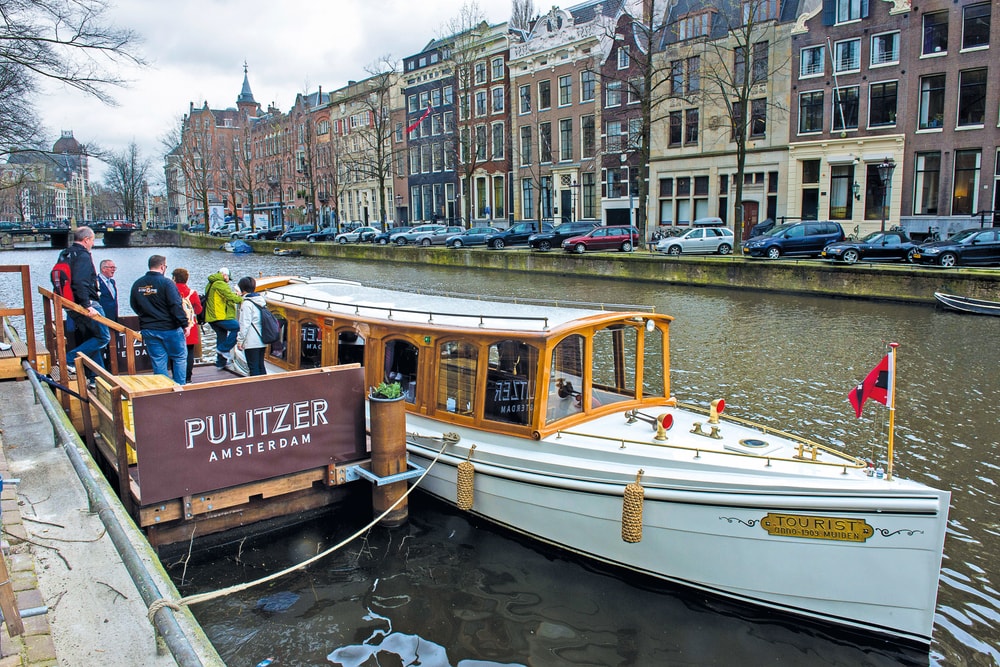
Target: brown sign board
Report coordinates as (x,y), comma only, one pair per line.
(142,360)
(198,439)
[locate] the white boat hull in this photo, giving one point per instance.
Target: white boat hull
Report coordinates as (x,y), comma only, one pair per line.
(713,538)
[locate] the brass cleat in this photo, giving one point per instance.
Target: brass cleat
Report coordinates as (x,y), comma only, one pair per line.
(715,433)
(696,429)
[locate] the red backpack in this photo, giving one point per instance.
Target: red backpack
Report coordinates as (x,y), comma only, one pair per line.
(62,277)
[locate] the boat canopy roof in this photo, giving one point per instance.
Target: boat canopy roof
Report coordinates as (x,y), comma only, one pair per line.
(352,299)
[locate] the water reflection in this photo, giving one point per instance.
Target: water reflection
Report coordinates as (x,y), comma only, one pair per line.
(784,360)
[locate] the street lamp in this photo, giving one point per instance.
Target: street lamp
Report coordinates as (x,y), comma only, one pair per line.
(885,170)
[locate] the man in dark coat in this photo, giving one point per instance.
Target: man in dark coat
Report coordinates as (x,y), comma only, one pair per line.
(91,335)
(162,319)
(109,290)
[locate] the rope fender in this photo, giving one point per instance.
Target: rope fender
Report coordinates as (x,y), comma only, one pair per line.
(632,510)
(464,485)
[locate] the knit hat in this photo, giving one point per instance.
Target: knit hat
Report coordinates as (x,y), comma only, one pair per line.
(224,271)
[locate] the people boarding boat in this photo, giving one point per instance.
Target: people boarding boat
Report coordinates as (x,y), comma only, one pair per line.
(561,423)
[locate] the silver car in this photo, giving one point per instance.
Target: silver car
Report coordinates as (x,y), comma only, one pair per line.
(698,240)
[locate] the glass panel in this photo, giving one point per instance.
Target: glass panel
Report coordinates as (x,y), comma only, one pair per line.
(350,348)
(310,346)
(566,378)
(457,377)
(614,364)
(401,362)
(653,376)
(510,382)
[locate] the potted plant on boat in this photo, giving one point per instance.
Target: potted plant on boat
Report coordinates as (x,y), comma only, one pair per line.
(387,423)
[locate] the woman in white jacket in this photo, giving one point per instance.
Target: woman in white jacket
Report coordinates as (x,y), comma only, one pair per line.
(249,340)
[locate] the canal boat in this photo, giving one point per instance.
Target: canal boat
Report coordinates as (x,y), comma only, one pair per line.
(965,304)
(238,247)
(287,252)
(561,423)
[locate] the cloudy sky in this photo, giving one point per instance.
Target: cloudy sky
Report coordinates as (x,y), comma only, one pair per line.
(196,50)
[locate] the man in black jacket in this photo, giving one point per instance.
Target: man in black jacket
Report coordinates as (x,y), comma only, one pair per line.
(162,319)
(91,335)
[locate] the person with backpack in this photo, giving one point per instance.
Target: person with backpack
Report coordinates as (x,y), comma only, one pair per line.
(91,335)
(250,338)
(162,319)
(220,314)
(192,307)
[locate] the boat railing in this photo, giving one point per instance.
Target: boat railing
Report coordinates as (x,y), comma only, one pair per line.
(389,311)
(534,301)
(808,450)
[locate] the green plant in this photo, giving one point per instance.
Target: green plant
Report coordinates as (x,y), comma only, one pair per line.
(387,390)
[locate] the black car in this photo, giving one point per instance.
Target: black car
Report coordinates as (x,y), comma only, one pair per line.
(517,234)
(893,246)
(297,233)
(969,246)
(325,234)
(264,234)
(554,238)
(383,238)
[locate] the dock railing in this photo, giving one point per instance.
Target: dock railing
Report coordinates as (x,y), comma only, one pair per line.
(20,349)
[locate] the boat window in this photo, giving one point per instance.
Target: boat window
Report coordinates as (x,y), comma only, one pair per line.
(350,348)
(510,382)
(457,377)
(310,345)
(654,380)
(566,378)
(279,349)
(401,366)
(613,364)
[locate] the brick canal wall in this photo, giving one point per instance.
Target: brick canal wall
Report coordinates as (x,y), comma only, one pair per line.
(894,282)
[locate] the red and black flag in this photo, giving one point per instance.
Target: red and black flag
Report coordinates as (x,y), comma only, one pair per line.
(418,121)
(877,386)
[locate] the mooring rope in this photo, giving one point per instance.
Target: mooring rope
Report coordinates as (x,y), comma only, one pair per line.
(222,592)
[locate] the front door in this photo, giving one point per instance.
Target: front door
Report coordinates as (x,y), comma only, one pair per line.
(566,205)
(751,211)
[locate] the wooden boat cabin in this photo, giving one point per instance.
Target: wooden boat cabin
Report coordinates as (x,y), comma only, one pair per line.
(481,364)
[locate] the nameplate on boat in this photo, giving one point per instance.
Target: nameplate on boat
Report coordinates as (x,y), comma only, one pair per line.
(214,436)
(817,527)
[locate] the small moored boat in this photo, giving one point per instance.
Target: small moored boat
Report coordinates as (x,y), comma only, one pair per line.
(966,304)
(237,246)
(287,252)
(561,424)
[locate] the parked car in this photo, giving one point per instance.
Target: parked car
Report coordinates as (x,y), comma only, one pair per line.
(358,235)
(223,230)
(620,237)
(470,237)
(297,233)
(517,234)
(761,228)
(410,235)
(196,229)
(427,239)
(554,238)
(967,247)
(698,240)
(893,246)
(383,238)
(327,233)
(264,234)
(795,238)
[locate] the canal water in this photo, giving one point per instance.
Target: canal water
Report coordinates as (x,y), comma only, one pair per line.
(447,589)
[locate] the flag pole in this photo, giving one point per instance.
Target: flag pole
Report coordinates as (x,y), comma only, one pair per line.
(892,406)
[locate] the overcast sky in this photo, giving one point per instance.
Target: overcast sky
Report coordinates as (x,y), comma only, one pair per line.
(196,50)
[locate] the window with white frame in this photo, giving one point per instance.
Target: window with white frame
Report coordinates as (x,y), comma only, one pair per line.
(696,25)
(676,77)
(882,103)
(480,72)
(565,139)
(927,182)
(480,102)
(976,26)
(935,33)
(812,61)
(588,136)
(614,94)
(544,94)
(851,10)
(498,140)
(847,56)
(524,97)
(845,108)
(930,112)
(623,57)
(885,49)
(497,64)
(693,66)
(449,95)
(613,137)
(497,94)
(525,146)
(411,103)
(966,184)
(811,112)
(972,97)
(565,90)
(588,86)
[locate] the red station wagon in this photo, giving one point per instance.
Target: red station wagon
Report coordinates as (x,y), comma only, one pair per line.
(622,238)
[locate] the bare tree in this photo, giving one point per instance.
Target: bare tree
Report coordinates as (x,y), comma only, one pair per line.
(67,41)
(470,142)
(126,180)
(522,14)
(196,159)
(375,158)
(248,183)
(740,65)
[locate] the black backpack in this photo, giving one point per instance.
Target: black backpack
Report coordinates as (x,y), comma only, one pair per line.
(270,330)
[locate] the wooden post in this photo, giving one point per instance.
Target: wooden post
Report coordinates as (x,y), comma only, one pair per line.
(388,429)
